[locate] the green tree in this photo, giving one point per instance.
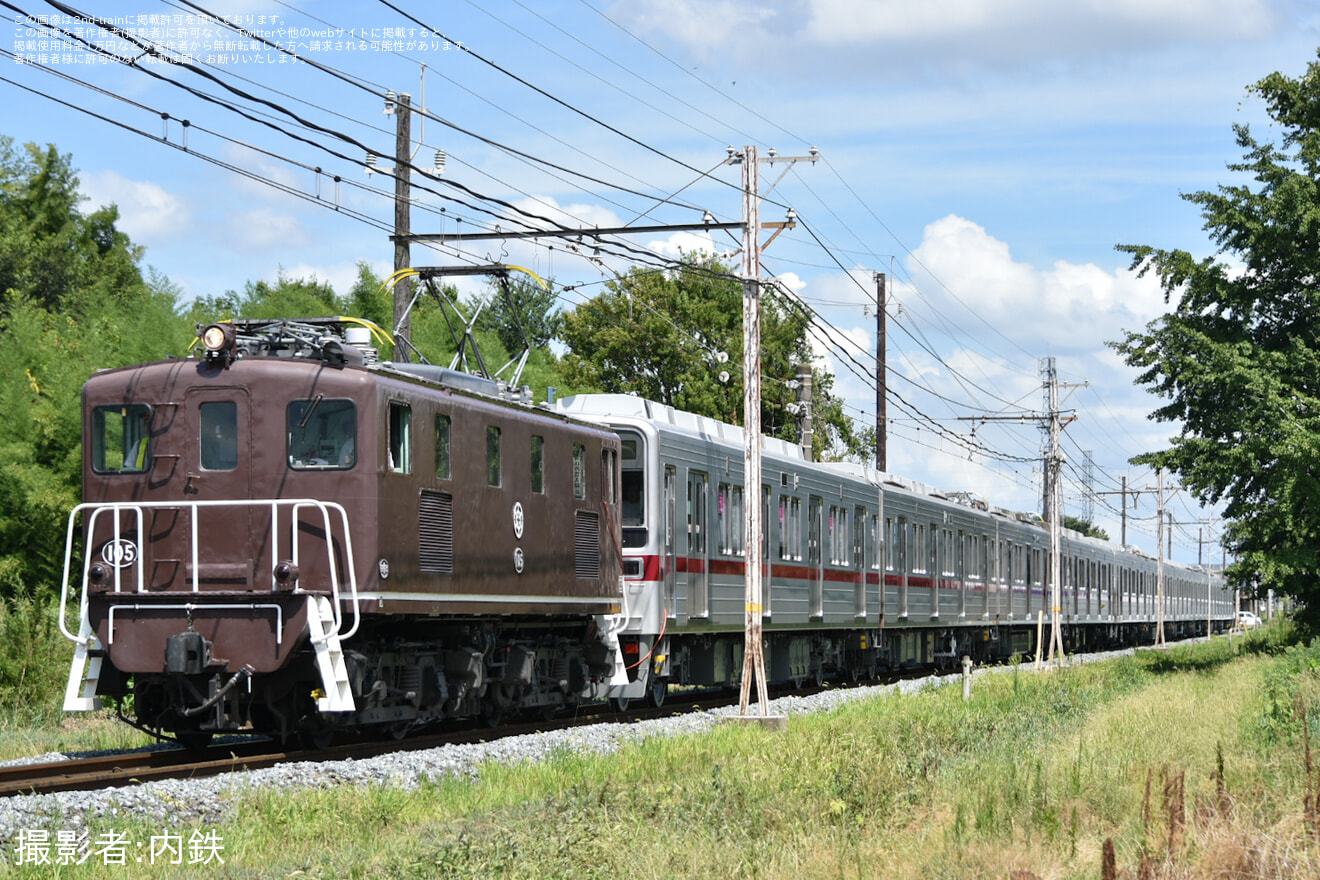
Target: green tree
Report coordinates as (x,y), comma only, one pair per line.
(45,356)
(517,306)
(73,299)
(1085,527)
(50,251)
(1237,359)
(670,335)
(369,299)
(288,297)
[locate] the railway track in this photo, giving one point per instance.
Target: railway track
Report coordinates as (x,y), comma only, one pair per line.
(131,768)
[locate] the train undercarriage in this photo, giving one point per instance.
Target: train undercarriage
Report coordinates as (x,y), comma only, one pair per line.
(400,676)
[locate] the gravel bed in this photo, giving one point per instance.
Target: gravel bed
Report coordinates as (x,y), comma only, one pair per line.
(181,803)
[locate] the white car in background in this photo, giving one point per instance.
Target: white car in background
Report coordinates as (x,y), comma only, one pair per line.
(1247,620)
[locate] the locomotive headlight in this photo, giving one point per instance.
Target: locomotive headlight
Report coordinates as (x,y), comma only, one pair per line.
(218,339)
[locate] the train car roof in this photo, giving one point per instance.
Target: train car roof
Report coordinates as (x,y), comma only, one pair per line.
(605,406)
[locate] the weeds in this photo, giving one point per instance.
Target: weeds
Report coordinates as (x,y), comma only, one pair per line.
(1147,767)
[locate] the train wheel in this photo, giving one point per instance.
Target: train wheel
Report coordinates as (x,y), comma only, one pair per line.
(659,689)
(619,704)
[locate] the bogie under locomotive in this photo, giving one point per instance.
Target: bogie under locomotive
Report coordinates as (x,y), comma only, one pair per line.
(282,535)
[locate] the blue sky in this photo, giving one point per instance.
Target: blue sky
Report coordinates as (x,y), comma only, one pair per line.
(987,154)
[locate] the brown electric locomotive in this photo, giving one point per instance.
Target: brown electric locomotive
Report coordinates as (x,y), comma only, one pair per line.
(280,534)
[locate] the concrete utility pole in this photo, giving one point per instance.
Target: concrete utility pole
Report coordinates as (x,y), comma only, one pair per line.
(881,377)
(1204,534)
(1159,552)
(804,410)
(753,648)
(1123,496)
(1054,492)
(1054,421)
(753,652)
(1159,576)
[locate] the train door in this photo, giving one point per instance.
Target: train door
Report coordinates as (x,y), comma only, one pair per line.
(217,465)
(670,564)
(859,561)
(904,546)
(697,528)
(815,556)
(964,569)
(767,579)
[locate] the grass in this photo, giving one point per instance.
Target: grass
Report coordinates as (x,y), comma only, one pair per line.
(1189,763)
(34,667)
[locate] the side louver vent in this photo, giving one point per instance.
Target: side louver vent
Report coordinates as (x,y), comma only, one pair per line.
(586,539)
(435,533)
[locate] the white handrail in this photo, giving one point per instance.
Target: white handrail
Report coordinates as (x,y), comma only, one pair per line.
(137,508)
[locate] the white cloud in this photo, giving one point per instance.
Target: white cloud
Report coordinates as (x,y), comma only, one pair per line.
(704,26)
(942,37)
(265,230)
(970,279)
(1046,24)
(341,275)
(147,212)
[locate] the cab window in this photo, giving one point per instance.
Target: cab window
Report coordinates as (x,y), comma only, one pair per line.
(121,441)
(321,434)
(219,435)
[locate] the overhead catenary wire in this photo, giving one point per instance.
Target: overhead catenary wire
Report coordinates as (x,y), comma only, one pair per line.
(826,333)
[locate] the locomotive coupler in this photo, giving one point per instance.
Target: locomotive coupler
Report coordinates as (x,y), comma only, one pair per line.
(187,653)
(244,673)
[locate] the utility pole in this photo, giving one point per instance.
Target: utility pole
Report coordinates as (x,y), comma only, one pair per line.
(1123,496)
(804,410)
(881,377)
(1202,536)
(1159,552)
(753,654)
(1088,480)
(1054,492)
(1159,577)
(753,649)
(402,223)
(1052,496)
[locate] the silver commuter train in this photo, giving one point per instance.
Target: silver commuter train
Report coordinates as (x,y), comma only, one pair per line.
(863,571)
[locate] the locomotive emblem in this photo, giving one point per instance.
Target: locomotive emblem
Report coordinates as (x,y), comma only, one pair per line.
(384,566)
(518,560)
(120,553)
(518,522)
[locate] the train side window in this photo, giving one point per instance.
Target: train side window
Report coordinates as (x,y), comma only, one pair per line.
(579,471)
(893,532)
(400,438)
(493,475)
(219,435)
(538,464)
(443,454)
(879,551)
(121,439)
(919,554)
(609,466)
